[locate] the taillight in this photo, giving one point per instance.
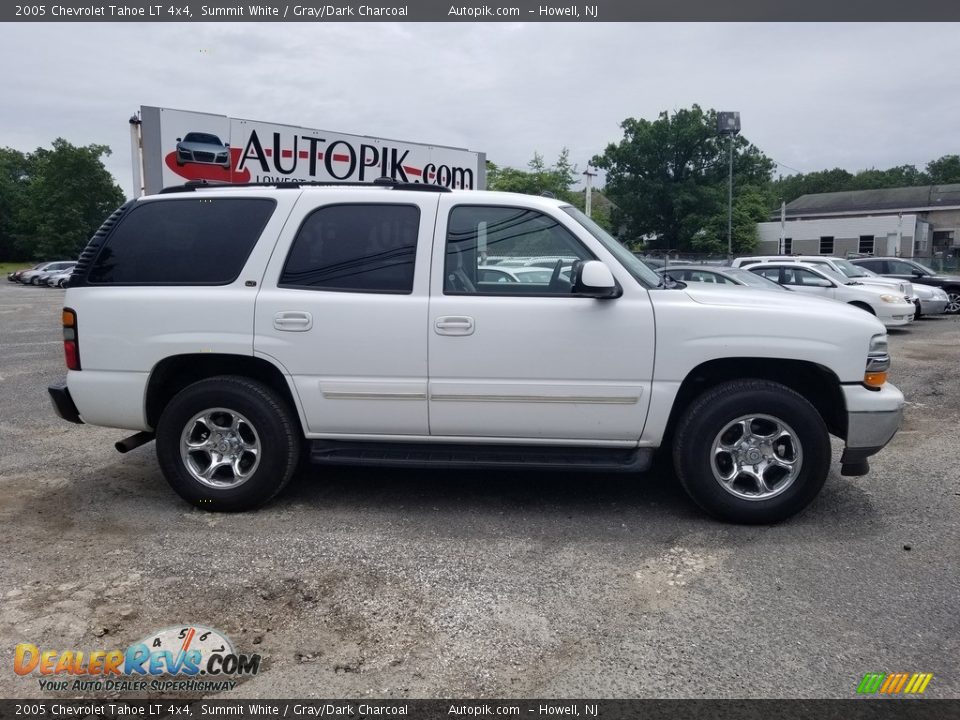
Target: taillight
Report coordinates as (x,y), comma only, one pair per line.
(71,347)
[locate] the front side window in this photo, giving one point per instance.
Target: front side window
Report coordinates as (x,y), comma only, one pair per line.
(508,251)
(899,267)
(355,248)
(771,273)
(809,279)
(190,241)
(874,265)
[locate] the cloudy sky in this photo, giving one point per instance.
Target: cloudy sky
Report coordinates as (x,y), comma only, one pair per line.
(811,96)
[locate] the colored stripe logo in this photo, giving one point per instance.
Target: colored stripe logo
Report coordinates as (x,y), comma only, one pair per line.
(894,683)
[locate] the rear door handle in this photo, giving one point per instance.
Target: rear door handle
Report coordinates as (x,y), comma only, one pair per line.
(454,325)
(293,321)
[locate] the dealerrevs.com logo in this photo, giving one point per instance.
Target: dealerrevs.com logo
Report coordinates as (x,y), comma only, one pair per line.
(186,658)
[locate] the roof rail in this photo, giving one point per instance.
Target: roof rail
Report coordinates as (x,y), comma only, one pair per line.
(389,182)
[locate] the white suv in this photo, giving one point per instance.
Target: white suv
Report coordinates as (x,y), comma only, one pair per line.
(245,327)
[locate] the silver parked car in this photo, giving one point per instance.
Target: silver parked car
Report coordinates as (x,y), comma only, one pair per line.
(720,276)
(38,276)
(59,279)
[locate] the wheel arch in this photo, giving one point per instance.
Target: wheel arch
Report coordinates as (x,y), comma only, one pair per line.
(863,306)
(818,384)
(173,374)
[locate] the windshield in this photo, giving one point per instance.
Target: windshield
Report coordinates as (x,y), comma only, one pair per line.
(631,262)
(753,280)
(202,138)
(834,275)
(849,269)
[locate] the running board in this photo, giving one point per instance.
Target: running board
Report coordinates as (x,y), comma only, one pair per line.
(540,457)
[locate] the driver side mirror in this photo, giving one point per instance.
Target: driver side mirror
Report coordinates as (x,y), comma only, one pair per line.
(591,278)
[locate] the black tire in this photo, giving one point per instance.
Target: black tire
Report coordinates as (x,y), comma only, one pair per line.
(263,419)
(712,412)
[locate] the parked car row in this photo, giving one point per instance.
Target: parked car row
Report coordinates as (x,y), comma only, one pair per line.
(53,274)
(895,290)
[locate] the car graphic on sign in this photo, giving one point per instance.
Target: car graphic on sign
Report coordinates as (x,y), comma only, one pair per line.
(202,148)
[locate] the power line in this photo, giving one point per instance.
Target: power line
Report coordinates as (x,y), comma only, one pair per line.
(787,166)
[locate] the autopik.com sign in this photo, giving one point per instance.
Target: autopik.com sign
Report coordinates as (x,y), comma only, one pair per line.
(179,145)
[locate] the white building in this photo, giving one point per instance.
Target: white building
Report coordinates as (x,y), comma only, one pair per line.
(908,222)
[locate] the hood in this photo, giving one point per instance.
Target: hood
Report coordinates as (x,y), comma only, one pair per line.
(740,296)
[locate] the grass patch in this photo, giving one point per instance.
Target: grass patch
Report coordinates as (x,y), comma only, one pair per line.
(10,267)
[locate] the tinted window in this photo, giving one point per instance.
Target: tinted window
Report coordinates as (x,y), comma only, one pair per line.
(875,265)
(532,246)
(355,248)
(898,267)
(196,241)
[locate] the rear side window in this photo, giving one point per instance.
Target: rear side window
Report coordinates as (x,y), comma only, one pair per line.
(195,241)
(355,248)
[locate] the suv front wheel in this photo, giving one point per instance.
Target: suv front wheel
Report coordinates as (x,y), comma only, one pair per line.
(227,443)
(752,451)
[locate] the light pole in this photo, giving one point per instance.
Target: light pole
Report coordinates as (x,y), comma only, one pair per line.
(728,123)
(587,192)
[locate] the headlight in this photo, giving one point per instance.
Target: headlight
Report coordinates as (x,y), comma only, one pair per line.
(891,298)
(878,362)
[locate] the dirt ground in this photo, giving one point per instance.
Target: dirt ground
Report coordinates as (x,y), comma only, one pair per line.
(396,584)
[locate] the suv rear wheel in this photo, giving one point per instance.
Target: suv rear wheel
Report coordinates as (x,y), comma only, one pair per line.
(752,451)
(227,443)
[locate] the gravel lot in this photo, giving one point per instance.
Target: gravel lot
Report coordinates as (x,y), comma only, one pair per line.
(376,583)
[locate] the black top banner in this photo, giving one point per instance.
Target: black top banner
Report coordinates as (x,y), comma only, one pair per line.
(459,709)
(317,11)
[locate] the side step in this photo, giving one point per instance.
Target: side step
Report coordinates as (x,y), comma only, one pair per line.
(372,454)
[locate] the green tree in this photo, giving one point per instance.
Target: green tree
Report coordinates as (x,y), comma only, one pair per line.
(14,175)
(668,177)
(67,194)
(538,179)
(944,170)
(750,206)
(837,180)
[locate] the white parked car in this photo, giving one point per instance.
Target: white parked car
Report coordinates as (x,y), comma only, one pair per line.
(890,308)
(506,273)
(841,266)
(352,324)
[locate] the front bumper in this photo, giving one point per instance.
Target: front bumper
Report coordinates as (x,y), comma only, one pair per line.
(933,307)
(63,404)
(873,418)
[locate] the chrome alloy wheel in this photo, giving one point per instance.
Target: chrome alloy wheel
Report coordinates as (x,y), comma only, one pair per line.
(756,457)
(220,448)
(953,302)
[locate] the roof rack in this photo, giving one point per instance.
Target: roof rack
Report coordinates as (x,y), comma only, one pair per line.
(389,182)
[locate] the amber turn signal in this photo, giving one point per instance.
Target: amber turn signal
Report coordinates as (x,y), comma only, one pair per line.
(874,379)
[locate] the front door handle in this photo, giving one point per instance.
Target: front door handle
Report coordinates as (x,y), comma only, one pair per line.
(454,325)
(293,321)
